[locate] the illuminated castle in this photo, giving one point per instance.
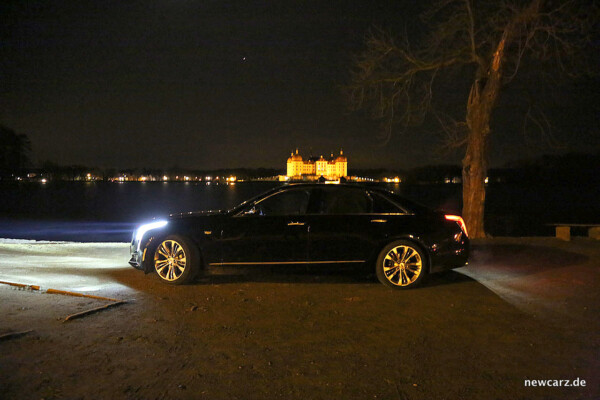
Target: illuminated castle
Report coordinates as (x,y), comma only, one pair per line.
(316,167)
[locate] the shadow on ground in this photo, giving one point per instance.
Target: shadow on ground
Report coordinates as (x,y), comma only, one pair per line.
(281,274)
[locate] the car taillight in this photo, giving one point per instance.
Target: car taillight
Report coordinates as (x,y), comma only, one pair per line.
(458,219)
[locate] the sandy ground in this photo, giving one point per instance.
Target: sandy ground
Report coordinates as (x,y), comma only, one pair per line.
(522,309)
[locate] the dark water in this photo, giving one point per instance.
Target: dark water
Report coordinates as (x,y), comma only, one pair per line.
(102,211)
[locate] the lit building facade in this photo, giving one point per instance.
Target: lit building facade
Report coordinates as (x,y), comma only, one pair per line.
(333,168)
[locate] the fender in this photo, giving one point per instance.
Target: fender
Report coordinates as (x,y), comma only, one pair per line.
(417,240)
(152,243)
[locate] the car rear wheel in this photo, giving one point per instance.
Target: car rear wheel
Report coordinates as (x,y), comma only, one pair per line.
(176,260)
(401,265)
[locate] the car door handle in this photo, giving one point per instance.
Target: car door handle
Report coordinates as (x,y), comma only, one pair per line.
(381,221)
(295,223)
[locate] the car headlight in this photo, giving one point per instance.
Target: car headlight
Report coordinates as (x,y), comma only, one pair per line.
(147,227)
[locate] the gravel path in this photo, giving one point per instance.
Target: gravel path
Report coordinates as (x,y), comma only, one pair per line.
(522,309)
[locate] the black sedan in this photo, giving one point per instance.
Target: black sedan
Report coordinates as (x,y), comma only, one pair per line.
(307,224)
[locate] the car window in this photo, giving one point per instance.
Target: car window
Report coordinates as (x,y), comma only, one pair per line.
(289,202)
(381,205)
(409,206)
(344,202)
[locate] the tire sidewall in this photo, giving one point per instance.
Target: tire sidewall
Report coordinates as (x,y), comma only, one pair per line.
(379,264)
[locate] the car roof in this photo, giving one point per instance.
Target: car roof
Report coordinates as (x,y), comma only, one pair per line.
(414,206)
(291,186)
(334,186)
(321,185)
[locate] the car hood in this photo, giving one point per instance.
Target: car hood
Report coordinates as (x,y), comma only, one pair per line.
(192,214)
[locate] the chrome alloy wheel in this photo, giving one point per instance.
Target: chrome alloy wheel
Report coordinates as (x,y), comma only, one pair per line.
(402,265)
(170,260)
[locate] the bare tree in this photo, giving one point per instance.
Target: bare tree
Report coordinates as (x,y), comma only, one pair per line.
(488,41)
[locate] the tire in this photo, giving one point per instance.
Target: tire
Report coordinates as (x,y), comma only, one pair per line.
(176,260)
(401,265)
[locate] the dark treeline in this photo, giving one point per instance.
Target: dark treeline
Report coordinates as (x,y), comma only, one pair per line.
(55,171)
(571,168)
(575,168)
(14,152)
(427,174)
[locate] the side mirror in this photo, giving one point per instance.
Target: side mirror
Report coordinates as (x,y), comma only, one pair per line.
(250,211)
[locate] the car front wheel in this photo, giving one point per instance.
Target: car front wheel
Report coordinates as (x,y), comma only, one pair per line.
(401,265)
(176,260)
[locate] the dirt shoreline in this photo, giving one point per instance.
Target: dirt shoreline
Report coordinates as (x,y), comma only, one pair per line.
(522,309)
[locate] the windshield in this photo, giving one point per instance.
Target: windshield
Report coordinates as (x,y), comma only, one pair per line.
(242,205)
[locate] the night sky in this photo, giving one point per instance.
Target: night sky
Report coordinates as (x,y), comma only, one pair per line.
(216,84)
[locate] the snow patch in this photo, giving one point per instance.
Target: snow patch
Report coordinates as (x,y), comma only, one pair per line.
(28,241)
(31,241)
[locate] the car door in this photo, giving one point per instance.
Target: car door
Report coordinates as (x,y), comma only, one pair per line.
(342,227)
(272,230)
(350,224)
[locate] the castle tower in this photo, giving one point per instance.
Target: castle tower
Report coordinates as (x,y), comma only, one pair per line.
(294,165)
(341,164)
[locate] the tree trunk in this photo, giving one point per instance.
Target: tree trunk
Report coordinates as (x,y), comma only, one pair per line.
(474,171)
(482,99)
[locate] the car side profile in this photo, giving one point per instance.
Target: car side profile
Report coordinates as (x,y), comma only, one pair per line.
(307,224)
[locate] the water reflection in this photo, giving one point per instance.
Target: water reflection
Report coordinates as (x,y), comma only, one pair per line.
(105,211)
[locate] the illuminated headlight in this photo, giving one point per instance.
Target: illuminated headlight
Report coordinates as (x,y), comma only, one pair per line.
(139,234)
